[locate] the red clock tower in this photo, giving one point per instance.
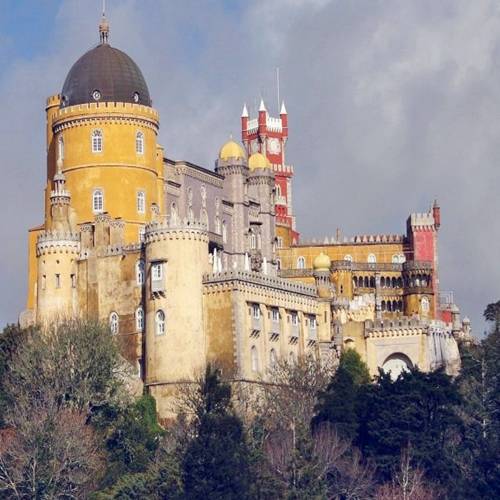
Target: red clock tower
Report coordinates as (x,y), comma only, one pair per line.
(268,135)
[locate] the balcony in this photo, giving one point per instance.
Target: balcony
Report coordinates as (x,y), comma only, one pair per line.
(256,326)
(275,330)
(294,333)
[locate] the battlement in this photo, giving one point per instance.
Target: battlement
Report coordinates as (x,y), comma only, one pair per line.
(168,225)
(57,242)
(53,100)
(406,323)
(354,240)
(108,108)
(260,279)
(421,220)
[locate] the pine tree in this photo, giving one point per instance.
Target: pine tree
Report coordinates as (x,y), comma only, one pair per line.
(216,462)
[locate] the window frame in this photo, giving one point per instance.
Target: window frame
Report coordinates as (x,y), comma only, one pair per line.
(98,194)
(139,319)
(160,322)
(114,323)
(139,142)
(141,202)
(97,141)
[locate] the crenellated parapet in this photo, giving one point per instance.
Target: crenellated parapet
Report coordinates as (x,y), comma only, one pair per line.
(176,228)
(51,242)
(105,112)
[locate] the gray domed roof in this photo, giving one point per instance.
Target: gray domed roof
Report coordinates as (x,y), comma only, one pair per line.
(105,74)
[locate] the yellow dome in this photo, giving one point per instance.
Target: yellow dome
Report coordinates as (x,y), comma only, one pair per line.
(231,150)
(322,262)
(258,160)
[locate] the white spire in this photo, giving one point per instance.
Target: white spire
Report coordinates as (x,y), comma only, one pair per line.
(244,113)
(262,106)
(283,109)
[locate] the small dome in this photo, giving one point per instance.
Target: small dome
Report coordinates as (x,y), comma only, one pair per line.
(322,262)
(258,160)
(231,150)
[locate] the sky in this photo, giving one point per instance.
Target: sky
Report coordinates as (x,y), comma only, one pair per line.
(391,103)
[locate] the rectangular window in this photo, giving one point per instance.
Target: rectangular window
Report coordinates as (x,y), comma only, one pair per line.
(276,315)
(157,271)
(44,282)
(58,281)
(312,322)
(295,318)
(256,311)
(142,232)
(73,281)
(141,202)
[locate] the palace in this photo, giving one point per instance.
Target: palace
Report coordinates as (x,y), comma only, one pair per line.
(190,264)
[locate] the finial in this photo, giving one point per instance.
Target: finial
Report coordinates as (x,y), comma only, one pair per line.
(262,106)
(104,25)
(230,137)
(244,113)
(283,109)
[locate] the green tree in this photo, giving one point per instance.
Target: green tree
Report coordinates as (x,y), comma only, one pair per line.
(417,410)
(338,404)
(216,462)
(133,438)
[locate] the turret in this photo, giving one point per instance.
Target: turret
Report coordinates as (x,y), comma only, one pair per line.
(244,125)
(57,251)
(321,267)
(232,164)
(284,121)
(176,259)
(436,212)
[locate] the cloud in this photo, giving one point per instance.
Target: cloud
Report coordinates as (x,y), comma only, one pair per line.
(390,105)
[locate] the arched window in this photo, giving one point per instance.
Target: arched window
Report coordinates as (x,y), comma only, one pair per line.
(60,148)
(142,233)
(190,214)
(382,305)
(139,319)
(278,264)
(114,323)
(139,272)
(173,212)
(160,322)
(425,304)
(395,259)
(139,143)
(96,140)
(273,360)
(278,191)
(355,282)
(141,202)
(372,282)
(348,258)
(253,241)
(382,282)
(394,282)
(367,282)
(224,232)
(301,263)
(372,259)
(254,358)
(217,225)
(97,201)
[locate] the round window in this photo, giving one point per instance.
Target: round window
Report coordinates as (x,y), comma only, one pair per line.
(96,95)
(136,96)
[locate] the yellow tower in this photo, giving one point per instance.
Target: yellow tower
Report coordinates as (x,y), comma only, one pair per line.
(103,129)
(176,259)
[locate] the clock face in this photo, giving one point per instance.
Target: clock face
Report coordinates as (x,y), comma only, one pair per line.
(274,146)
(255,146)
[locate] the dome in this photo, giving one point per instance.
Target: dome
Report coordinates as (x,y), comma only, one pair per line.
(258,160)
(231,150)
(105,74)
(322,262)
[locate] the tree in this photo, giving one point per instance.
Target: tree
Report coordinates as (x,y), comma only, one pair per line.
(216,462)
(418,410)
(133,438)
(51,453)
(338,404)
(407,483)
